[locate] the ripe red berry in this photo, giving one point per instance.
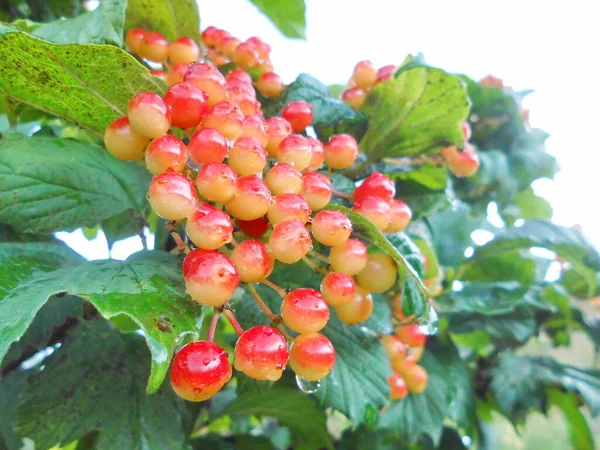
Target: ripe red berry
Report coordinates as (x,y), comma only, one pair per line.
(225,117)
(354,97)
(270,84)
(394,347)
(211,36)
(261,353)
(254,126)
(400,215)
(252,260)
(376,210)
(187,103)
(341,151)
(149,115)
(208,145)
(411,335)
(461,164)
(318,154)
(247,156)
(398,388)
(304,311)
(172,196)
(209,228)
(290,241)
(385,73)
(376,185)
(295,149)
(284,179)
(216,182)
(200,370)
(299,114)
(379,274)
(312,356)
(154,47)
(210,277)
(288,207)
(166,154)
(338,289)
(316,189)
(240,75)
(134,39)
(243,95)
(254,228)
(416,379)
(277,129)
(331,228)
(263,49)
(364,74)
(251,199)
(208,78)
(228,45)
(123,142)
(349,258)
(358,309)
(177,73)
(184,51)
(245,56)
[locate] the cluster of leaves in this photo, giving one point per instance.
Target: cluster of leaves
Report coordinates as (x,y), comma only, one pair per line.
(82,344)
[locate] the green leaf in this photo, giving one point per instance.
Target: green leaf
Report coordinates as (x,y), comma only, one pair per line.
(579,431)
(418,112)
(517,265)
(89,85)
(95,382)
(527,166)
(11,387)
(122,225)
(49,184)
(172,18)
(291,408)
(532,206)
(289,16)
(151,294)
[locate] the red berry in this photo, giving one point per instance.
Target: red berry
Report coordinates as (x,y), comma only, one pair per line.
(184,51)
(331,228)
(134,39)
(254,126)
(304,311)
(411,335)
(356,310)
(210,277)
(461,164)
(402,365)
(243,95)
(379,274)
(166,154)
(349,258)
(252,260)
(277,129)
(245,56)
(364,74)
(240,75)
(290,241)
(172,196)
(123,142)
(177,73)
(209,228)
(299,114)
(385,73)
(251,199)
(149,115)
(263,49)
(376,185)
(225,117)
(316,189)
(247,156)
(312,356)
(398,388)
(261,353)
(318,154)
(211,36)
(187,104)
(341,151)
(154,47)
(376,210)
(208,78)
(355,97)
(338,289)
(208,145)
(254,228)
(394,347)
(416,379)
(400,215)
(216,182)
(295,149)
(284,179)
(270,84)
(288,207)
(228,46)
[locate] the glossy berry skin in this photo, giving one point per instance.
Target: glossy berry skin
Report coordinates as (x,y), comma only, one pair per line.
(209,228)
(338,289)
(252,260)
(299,114)
(216,182)
(208,78)
(316,189)
(247,156)
(377,210)
(304,311)
(251,199)
(295,149)
(354,97)
(172,196)
(166,154)
(411,335)
(288,207)
(290,241)
(341,151)
(154,47)
(394,348)
(254,126)
(254,228)
(208,145)
(240,75)
(149,115)
(270,84)
(211,36)
(461,164)
(318,154)
(134,39)
(225,117)
(358,309)
(263,49)
(123,142)
(376,185)
(210,277)
(261,353)
(243,95)
(400,216)
(200,370)
(177,73)
(187,103)
(331,228)
(416,379)
(277,129)
(379,274)
(284,179)
(184,51)
(364,74)
(349,258)
(398,388)
(312,356)
(245,56)
(385,73)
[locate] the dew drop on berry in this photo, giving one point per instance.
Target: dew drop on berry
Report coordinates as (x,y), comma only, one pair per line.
(306,386)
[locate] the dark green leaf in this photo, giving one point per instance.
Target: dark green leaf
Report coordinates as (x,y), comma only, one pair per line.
(289,16)
(579,431)
(10,389)
(122,226)
(518,265)
(364,438)
(172,18)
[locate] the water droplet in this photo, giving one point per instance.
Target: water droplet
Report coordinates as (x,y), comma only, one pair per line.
(206,361)
(306,386)
(430,325)
(269,331)
(370,333)
(467,441)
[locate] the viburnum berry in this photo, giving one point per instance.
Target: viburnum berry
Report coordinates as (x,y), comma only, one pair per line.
(247,156)
(358,309)
(417,352)
(385,73)
(312,356)
(252,260)
(160,74)
(225,117)
(375,209)
(208,78)
(364,74)
(461,164)
(376,185)
(134,38)
(277,130)
(210,36)
(254,126)
(149,115)
(295,149)
(341,151)
(290,241)
(166,154)
(239,75)
(318,154)
(243,95)
(304,310)
(416,379)
(245,56)
(261,353)
(200,370)
(299,114)
(187,103)
(270,84)
(338,289)
(228,46)
(208,145)
(394,347)
(254,228)
(263,49)
(177,73)
(284,179)
(411,335)
(402,365)
(184,51)
(216,182)
(288,207)
(400,216)
(379,274)
(354,97)
(172,196)
(210,277)
(398,388)
(123,142)
(316,189)
(251,199)
(331,228)
(209,228)
(154,47)
(349,258)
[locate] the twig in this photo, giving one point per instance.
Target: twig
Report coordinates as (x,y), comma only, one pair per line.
(233,321)
(318,256)
(262,305)
(341,194)
(213,325)
(182,246)
(281,291)
(313,266)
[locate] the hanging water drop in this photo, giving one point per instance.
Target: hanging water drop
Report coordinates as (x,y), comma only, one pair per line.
(306,386)
(430,326)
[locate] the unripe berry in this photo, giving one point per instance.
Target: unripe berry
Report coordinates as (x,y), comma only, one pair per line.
(355,97)
(184,51)
(187,104)
(290,241)
(341,151)
(416,379)
(160,74)
(316,189)
(296,150)
(166,154)
(411,335)
(349,258)
(254,126)
(277,129)
(254,228)
(331,228)
(376,185)
(172,196)
(208,145)
(245,56)
(461,164)
(243,95)
(270,84)
(398,388)
(379,274)
(299,114)
(251,199)
(134,39)
(284,179)
(240,75)
(338,289)
(312,356)
(210,277)
(252,260)
(394,347)
(400,215)
(208,78)
(177,73)
(123,142)
(247,156)
(200,370)
(216,182)
(403,365)
(385,73)
(149,115)
(209,228)
(375,209)
(288,207)
(304,311)
(261,353)
(318,154)
(225,117)
(154,47)
(358,309)
(364,74)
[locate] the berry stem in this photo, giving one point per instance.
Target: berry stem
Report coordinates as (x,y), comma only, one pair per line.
(213,325)
(233,321)
(315,267)
(341,194)
(260,302)
(182,246)
(281,291)
(283,331)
